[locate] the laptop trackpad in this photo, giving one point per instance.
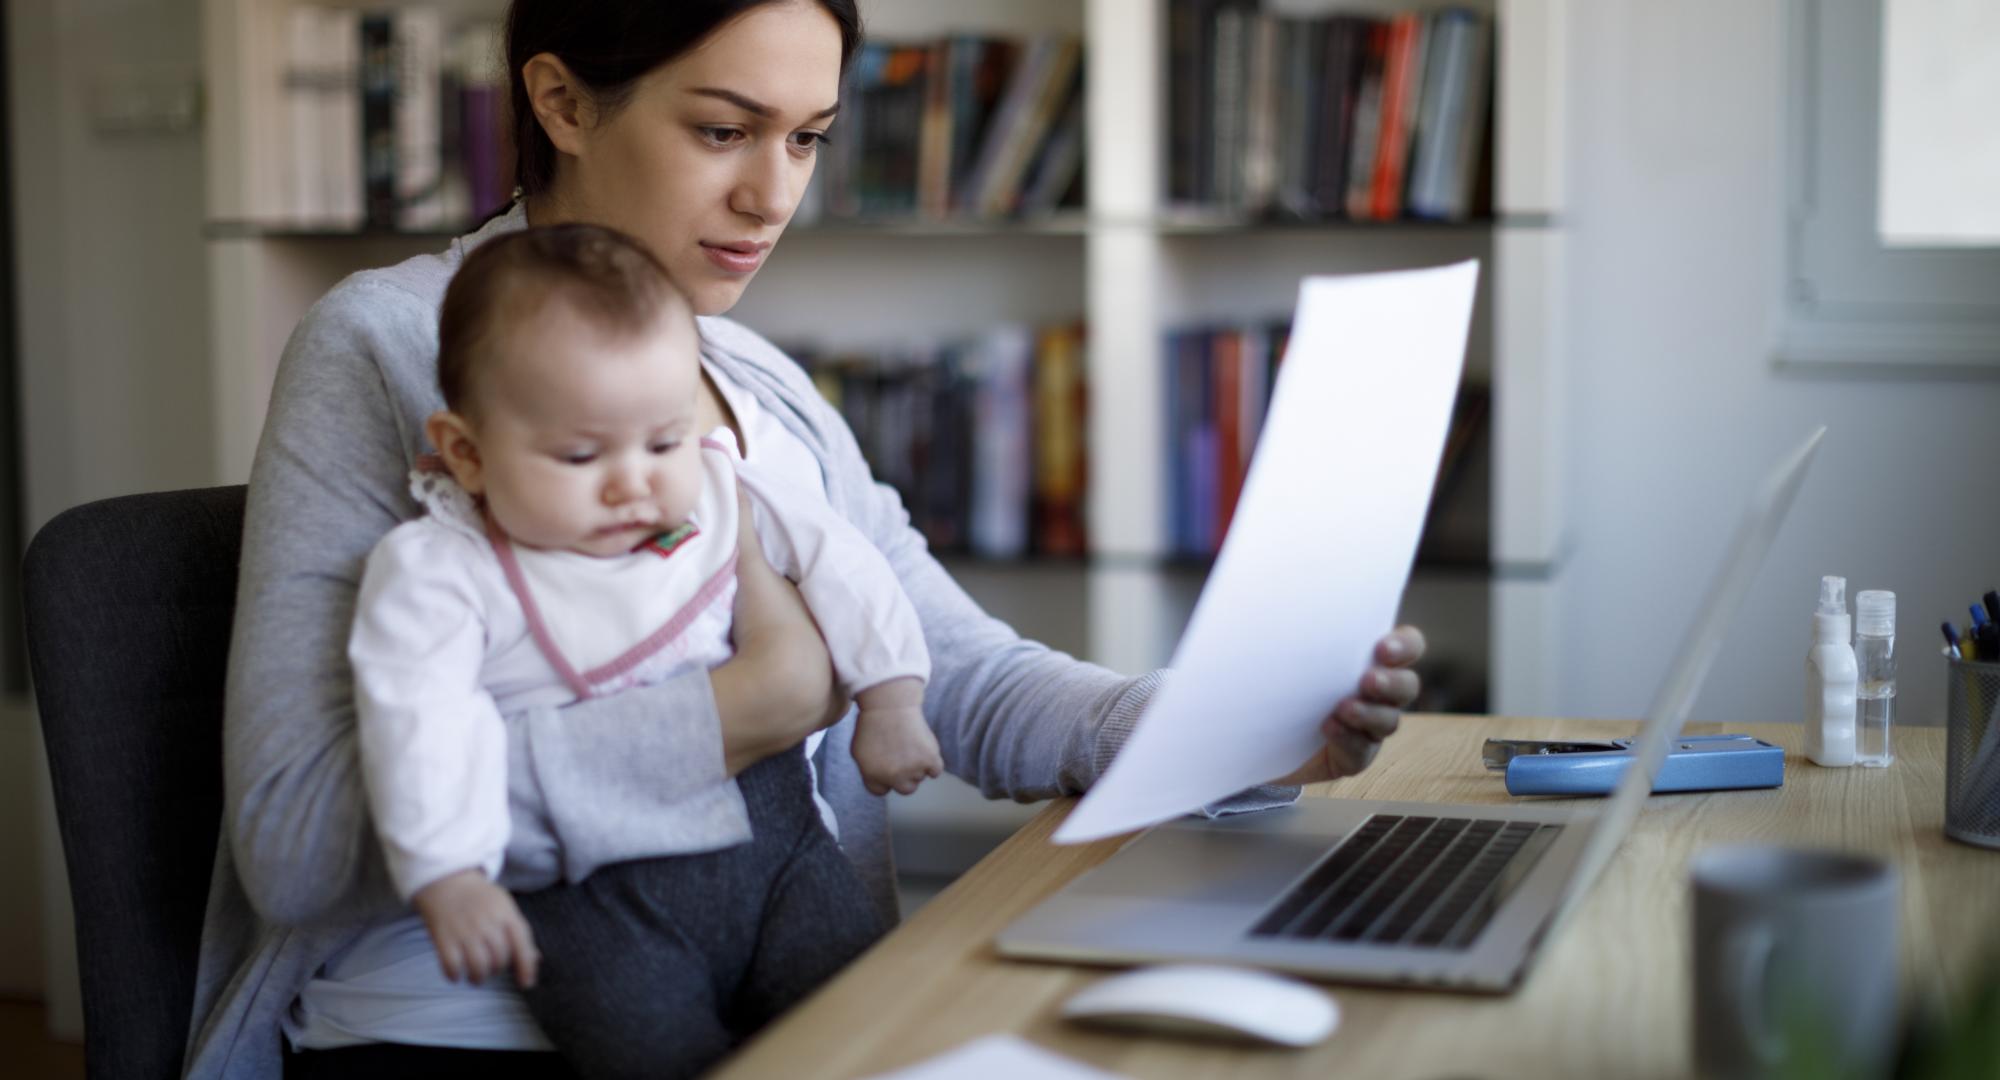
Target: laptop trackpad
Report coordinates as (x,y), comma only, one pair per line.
(1203,864)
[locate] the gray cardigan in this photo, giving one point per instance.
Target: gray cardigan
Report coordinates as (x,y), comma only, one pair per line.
(299,871)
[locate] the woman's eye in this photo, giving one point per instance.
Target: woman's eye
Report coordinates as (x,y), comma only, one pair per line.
(722,136)
(809,141)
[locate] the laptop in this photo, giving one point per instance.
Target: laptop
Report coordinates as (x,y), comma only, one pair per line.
(1417,894)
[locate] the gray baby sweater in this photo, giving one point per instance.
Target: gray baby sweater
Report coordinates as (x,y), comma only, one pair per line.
(298,872)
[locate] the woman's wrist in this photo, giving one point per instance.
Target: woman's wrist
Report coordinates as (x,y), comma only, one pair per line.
(740,703)
(767,702)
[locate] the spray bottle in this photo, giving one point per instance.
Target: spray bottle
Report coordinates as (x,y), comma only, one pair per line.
(1831,679)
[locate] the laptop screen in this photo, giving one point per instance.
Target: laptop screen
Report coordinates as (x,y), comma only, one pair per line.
(1761,520)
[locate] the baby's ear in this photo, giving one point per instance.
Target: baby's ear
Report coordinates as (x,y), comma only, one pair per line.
(452,436)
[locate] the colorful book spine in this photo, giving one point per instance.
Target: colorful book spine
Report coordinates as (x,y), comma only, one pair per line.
(1402,76)
(1059,422)
(1227,366)
(1363,148)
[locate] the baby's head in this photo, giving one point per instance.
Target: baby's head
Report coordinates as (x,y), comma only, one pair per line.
(570,366)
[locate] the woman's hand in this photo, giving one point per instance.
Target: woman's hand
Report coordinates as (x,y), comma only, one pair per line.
(778,688)
(1355,729)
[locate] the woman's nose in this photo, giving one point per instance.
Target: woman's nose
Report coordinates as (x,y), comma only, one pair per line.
(767,189)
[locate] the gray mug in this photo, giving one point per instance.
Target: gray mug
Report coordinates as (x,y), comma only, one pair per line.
(1794,962)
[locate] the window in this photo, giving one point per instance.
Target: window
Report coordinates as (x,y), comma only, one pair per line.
(1849,298)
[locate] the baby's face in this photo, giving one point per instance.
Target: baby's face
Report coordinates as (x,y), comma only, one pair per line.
(587,442)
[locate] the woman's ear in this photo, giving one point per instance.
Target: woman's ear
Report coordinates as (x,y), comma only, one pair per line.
(452,436)
(558,101)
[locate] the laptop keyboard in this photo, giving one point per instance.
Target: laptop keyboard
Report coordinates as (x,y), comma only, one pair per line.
(1412,881)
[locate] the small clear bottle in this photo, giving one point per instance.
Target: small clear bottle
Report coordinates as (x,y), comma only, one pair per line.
(1875,663)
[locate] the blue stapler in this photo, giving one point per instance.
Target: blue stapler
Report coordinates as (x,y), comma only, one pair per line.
(1695,763)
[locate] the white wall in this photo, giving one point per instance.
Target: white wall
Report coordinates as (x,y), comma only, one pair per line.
(1676,221)
(113,347)
(113,293)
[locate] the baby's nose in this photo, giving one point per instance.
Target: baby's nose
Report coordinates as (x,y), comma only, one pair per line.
(624,485)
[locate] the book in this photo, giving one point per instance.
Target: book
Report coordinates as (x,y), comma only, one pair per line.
(977,89)
(1226,368)
(1453,121)
(893,104)
(1259,173)
(1228,91)
(1059,425)
(417,53)
(378,119)
(1034,98)
(486,145)
(1302,59)
(1345,41)
(1186,29)
(1054,181)
(1402,80)
(943,67)
(1435,137)
(1362,145)
(1470,159)
(1001,451)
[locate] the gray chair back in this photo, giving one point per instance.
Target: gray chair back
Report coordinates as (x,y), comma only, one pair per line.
(128,605)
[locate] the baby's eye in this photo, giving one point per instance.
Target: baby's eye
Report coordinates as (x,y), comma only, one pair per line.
(579,457)
(666,446)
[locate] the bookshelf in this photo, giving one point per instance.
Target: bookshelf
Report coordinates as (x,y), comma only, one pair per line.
(1131,265)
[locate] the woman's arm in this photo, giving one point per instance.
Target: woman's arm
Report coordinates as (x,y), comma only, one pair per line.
(329,482)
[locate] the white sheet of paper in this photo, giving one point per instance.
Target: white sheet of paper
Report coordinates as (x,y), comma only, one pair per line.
(1312,571)
(999,1057)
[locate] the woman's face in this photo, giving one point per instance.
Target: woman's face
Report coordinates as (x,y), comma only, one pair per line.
(707,159)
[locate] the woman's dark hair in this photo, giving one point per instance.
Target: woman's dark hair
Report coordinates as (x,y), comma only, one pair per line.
(609,45)
(602,274)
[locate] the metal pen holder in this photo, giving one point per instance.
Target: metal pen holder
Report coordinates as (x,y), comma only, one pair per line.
(1972,752)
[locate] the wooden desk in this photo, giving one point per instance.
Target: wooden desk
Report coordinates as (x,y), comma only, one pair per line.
(1608,998)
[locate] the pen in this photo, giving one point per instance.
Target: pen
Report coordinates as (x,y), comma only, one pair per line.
(1992,599)
(1978,617)
(1951,640)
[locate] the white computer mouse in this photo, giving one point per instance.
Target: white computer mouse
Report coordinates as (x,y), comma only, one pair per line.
(1204,999)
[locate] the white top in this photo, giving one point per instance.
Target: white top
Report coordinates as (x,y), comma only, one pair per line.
(444,647)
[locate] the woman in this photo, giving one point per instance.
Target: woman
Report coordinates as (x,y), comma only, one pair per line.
(692,127)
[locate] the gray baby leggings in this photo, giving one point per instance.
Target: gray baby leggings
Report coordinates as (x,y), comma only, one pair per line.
(657,967)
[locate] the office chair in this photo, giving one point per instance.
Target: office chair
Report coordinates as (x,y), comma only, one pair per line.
(128,605)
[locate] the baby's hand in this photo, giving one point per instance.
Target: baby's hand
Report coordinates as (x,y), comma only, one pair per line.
(477,928)
(895,749)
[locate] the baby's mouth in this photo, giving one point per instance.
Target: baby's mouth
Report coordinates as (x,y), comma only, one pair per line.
(628,526)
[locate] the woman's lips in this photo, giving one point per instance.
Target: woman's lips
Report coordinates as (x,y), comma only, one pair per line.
(736,258)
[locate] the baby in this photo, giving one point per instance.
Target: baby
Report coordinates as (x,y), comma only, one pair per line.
(581,539)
